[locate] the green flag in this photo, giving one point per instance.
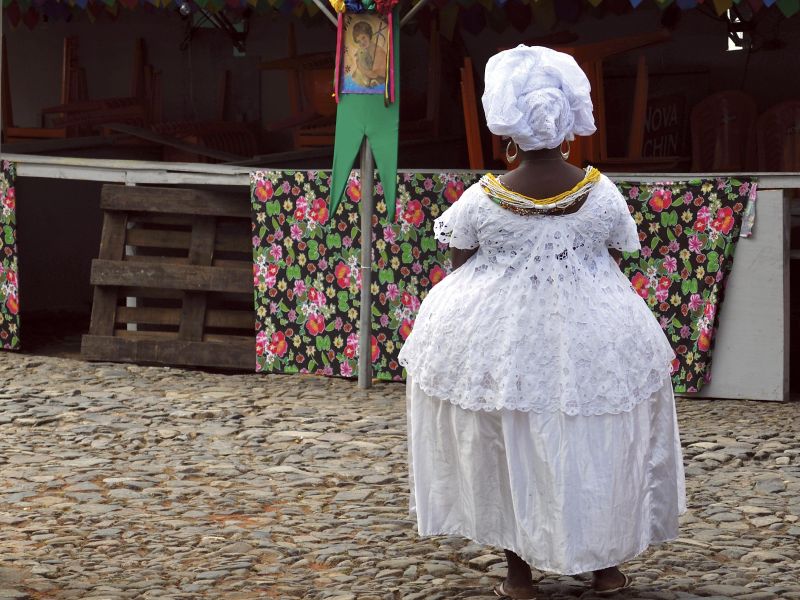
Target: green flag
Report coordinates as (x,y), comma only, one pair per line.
(369,115)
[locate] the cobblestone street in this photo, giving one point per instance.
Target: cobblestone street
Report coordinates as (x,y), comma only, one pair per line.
(122,481)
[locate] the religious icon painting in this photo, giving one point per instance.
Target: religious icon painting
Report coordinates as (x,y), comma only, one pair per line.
(365,54)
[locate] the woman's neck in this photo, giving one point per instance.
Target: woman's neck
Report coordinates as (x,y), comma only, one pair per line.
(544,155)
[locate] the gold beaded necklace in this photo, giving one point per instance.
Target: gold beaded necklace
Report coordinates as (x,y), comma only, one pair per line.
(525,205)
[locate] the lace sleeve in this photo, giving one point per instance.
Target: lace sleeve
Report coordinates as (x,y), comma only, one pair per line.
(456,227)
(624,234)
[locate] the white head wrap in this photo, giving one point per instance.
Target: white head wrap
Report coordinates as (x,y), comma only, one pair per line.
(538,97)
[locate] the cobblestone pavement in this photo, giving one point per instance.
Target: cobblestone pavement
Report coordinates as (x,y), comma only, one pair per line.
(141,482)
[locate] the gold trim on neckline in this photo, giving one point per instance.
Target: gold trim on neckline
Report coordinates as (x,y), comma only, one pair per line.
(592,176)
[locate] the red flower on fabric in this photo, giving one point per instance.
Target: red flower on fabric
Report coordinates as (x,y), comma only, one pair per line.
(700,225)
(342,274)
(413,213)
(453,191)
(375,351)
(641,284)
(315,324)
(723,222)
(278,344)
(315,296)
(405,328)
(12,303)
(264,190)
(661,200)
(704,341)
(319,210)
(664,282)
(436,275)
(354,190)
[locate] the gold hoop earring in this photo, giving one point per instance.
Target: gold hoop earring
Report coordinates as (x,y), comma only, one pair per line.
(509,157)
(565,155)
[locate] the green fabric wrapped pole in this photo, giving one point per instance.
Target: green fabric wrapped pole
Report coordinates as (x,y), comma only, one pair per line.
(360,115)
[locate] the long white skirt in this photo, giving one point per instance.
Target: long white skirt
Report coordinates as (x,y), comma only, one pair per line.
(568,494)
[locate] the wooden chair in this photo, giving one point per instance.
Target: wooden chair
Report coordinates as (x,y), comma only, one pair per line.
(472,126)
(721,127)
(594,149)
(778,138)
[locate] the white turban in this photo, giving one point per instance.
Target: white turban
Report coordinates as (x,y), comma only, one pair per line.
(538,97)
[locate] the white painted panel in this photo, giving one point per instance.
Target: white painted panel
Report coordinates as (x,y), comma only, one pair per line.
(750,358)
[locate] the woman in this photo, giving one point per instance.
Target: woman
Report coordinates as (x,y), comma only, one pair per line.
(540,406)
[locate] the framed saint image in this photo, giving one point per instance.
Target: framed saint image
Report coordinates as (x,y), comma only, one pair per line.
(366,49)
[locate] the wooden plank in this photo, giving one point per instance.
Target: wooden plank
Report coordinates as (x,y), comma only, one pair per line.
(112,248)
(158,238)
(151,293)
(183,260)
(174,200)
(144,315)
(162,238)
(233,353)
(231,319)
(174,277)
(172,142)
(201,253)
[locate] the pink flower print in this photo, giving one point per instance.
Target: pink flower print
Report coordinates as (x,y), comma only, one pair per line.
(328,371)
(744,188)
(322,264)
(695,301)
(279,235)
(299,287)
(663,321)
(295,232)
(662,294)
(685,331)
(704,213)
(337,323)
(256,241)
(286,187)
(647,252)
(718,276)
(346,370)
(674,246)
(416,268)
(671,264)
(392,291)
(346,241)
(389,235)
(384,320)
(428,184)
(262,337)
(695,245)
(688,197)
(633,193)
(273,308)
(379,188)
(276,251)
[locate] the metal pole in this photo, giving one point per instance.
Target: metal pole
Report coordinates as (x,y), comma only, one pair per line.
(365,323)
(410,14)
(324,9)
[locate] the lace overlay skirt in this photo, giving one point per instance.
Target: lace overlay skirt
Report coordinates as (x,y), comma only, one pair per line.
(567,493)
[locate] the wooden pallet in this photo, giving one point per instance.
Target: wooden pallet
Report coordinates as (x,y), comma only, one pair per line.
(173,281)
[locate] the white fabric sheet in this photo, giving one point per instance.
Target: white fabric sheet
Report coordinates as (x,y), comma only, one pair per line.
(567,493)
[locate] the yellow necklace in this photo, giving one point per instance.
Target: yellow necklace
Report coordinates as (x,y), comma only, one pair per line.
(521,204)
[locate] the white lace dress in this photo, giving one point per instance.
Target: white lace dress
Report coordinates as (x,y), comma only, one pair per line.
(540,408)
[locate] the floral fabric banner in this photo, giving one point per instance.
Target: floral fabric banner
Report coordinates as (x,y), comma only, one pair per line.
(688,231)
(307,278)
(9,294)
